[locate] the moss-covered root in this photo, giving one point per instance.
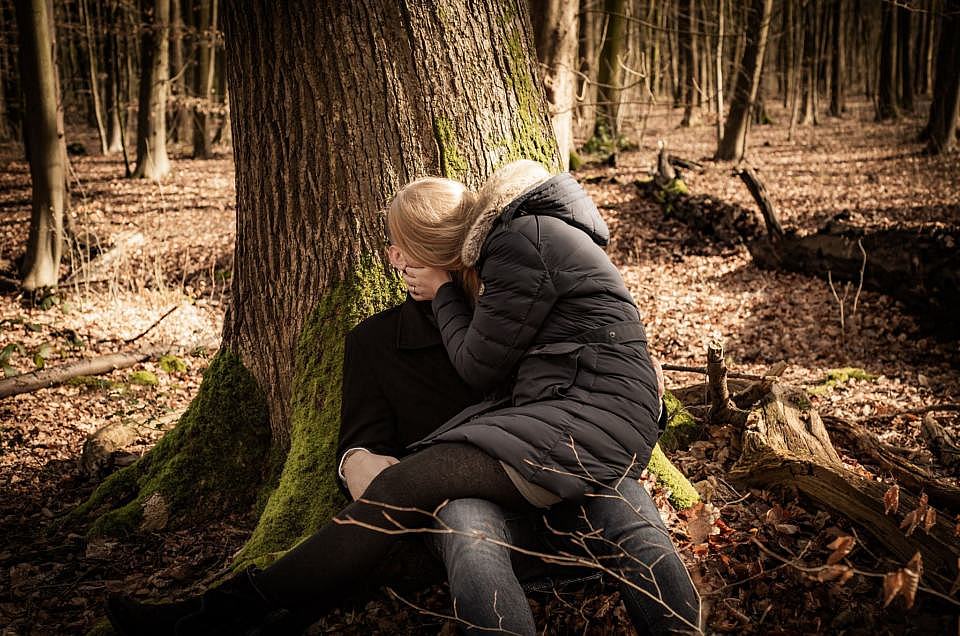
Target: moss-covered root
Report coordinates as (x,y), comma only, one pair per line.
(307,495)
(681,430)
(211,462)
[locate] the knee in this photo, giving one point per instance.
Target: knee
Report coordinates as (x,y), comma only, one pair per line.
(467,527)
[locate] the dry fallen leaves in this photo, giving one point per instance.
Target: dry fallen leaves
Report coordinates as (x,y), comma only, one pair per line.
(702,522)
(891,499)
(904,581)
(841,547)
(918,516)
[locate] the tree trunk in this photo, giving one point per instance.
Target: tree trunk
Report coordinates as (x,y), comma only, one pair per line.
(113,106)
(606,128)
(686,24)
(180,118)
(809,78)
(44,142)
(152,161)
(718,60)
(451,93)
(734,141)
(904,54)
(93,65)
(887,78)
(555,34)
(839,57)
(203,76)
(941,130)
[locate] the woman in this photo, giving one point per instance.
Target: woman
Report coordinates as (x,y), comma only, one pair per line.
(543,324)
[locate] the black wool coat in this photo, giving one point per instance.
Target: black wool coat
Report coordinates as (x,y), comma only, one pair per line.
(565,414)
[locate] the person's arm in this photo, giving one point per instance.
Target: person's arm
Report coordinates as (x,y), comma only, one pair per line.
(368,437)
(485,343)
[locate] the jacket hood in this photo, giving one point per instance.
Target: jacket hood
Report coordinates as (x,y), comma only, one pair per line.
(523,188)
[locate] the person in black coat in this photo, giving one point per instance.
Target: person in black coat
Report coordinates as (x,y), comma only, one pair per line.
(534,316)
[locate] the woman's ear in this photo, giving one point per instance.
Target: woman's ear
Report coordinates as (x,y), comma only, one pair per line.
(395,256)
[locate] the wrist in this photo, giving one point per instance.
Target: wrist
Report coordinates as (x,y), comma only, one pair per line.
(349,459)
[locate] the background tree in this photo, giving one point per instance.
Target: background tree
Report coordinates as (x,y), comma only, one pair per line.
(905,54)
(44,142)
(686,23)
(887,78)
(152,160)
(555,34)
(312,173)
(941,129)
(204,75)
(838,59)
(609,71)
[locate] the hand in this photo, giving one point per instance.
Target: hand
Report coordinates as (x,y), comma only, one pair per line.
(659,371)
(361,467)
(423,282)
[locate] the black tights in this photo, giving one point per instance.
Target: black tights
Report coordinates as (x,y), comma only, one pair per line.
(337,560)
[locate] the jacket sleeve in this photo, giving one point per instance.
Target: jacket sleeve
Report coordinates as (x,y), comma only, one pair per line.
(486,343)
(366,419)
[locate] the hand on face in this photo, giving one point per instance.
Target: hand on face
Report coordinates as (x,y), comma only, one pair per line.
(423,282)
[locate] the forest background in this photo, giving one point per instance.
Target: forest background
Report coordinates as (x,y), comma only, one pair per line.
(188,226)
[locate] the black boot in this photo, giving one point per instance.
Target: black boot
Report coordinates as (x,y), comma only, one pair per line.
(132,618)
(233,608)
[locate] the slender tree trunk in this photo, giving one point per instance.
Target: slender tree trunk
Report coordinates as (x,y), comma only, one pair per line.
(904,53)
(152,161)
(719,71)
(809,106)
(6,120)
(203,77)
(887,79)
(555,34)
(93,65)
(44,141)
(688,53)
(941,129)
(839,57)
(180,119)
(734,141)
(115,140)
(788,44)
(609,72)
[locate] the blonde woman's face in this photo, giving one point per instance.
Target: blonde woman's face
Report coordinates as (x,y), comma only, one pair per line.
(399,260)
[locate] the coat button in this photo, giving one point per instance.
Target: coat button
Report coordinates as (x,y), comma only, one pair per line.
(613,334)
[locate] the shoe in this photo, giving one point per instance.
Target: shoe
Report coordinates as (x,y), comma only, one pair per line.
(233,608)
(133,618)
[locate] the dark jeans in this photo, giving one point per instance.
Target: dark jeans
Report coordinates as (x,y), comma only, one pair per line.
(619,530)
(338,559)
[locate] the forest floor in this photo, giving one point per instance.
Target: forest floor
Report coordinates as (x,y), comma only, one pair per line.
(176,243)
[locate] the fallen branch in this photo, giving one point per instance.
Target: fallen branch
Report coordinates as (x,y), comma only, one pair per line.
(703,371)
(45,378)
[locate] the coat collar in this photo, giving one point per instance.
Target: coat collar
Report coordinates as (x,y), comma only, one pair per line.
(417,328)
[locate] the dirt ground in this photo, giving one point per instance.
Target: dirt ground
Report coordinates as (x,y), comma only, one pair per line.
(177,240)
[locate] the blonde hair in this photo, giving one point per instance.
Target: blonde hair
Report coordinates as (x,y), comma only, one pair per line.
(427,220)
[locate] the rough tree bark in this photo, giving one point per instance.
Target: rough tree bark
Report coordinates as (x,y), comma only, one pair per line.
(44,142)
(152,161)
(605,130)
(887,78)
(412,90)
(734,142)
(941,129)
(555,35)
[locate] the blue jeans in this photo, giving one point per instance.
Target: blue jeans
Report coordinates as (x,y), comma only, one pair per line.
(631,544)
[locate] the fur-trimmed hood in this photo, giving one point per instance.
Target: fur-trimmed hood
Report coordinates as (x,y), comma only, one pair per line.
(529,183)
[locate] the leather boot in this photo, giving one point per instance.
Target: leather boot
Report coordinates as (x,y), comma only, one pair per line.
(133,618)
(233,608)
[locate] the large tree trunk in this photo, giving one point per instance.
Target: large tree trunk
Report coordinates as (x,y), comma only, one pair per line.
(44,141)
(608,73)
(941,130)
(887,78)
(555,34)
(734,141)
(412,90)
(152,161)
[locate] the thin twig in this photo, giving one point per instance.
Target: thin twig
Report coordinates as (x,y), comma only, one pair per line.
(150,328)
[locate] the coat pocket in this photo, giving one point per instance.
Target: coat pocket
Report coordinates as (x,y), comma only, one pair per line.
(546,372)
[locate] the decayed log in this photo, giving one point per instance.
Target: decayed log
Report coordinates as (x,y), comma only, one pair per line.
(886,457)
(784,442)
(767,209)
(944,443)
(44,378)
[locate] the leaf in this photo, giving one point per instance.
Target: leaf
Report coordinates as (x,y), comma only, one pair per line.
(891,499)
(892,584)
(701,523)
(839,573)
(912,579)
(841,546)
(9,372)
(910,522)
(7,351)
(929,520)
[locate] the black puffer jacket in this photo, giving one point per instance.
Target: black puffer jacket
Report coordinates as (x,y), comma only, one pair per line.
(564,413)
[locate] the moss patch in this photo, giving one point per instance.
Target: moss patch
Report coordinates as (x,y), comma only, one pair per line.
(682,492)
(143,378)
(90,382)
(840,376)
(682,428)
(208,464)
(452,163)
(172,364)
(307,495)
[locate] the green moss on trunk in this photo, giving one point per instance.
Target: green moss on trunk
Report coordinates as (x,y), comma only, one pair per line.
(211,462)
(307,494)
(681,430)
